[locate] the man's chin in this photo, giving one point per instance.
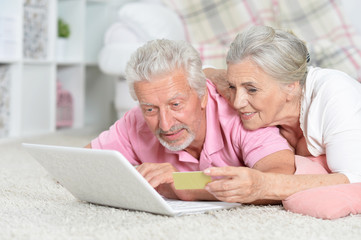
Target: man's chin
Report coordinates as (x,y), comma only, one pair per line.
(173,147)
(176,145)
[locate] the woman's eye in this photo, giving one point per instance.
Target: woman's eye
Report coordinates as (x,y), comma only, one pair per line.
(232,87)
(252,90)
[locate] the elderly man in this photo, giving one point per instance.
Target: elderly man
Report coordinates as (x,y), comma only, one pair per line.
(182,124)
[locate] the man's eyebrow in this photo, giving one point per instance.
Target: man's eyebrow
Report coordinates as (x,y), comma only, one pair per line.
(177,95)
(146,104)
(172,98)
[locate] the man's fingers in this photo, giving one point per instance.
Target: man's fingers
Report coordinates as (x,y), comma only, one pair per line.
(156,174)
(158,177)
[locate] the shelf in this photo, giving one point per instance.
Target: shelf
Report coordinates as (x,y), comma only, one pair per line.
(95,29)
(38,30)
(72,12)
(29,55)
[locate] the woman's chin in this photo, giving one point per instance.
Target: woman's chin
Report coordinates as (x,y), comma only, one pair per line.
(251,127)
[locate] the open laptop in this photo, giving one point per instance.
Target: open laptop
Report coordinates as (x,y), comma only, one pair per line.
(105,177)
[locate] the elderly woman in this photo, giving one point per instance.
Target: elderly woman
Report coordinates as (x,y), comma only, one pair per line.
(317,110)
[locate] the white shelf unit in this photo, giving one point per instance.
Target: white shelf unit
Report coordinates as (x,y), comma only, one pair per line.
(31,67)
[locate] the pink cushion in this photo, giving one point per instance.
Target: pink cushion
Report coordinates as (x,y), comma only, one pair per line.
(311,165)
(329,202)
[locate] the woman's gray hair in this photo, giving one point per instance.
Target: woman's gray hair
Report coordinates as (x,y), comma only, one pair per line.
(160,57)
(279,53)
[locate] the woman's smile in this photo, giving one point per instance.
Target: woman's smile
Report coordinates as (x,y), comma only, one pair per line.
(247,115)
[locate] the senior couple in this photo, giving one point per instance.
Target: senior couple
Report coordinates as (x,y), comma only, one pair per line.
(267,129)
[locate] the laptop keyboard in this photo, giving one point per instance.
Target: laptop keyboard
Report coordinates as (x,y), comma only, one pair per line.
(187,205)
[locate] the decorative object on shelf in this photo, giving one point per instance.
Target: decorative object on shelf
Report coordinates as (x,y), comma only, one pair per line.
(4,100)
(62,41)
(36,29)
(64,107)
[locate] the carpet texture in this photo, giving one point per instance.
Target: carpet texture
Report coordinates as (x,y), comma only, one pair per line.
(34,206)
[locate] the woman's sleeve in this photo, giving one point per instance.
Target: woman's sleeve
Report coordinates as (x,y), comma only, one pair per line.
(342,129)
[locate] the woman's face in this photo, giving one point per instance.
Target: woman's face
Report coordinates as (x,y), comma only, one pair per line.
(257,97)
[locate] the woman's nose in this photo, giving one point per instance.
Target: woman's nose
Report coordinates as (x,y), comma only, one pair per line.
(241,99)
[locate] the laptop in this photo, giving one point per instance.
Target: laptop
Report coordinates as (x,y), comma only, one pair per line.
(105,177)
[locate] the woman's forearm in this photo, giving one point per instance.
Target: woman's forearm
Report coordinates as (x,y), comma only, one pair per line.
(280,186)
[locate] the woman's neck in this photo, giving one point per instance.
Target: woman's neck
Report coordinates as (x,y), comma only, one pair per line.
(289,117)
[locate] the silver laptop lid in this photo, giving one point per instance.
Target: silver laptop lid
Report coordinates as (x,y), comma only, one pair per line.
(103,177)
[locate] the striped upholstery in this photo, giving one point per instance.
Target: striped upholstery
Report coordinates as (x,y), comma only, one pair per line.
(211,25)
(332,41)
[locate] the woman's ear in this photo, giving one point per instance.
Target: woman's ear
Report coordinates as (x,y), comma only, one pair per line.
(292,89)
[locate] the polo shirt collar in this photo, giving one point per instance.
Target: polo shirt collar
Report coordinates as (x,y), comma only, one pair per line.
(214,139)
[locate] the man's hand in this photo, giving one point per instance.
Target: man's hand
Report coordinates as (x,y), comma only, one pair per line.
(237,184)
(160,176)
(157,173)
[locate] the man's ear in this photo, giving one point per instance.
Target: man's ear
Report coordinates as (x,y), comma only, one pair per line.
(204,100)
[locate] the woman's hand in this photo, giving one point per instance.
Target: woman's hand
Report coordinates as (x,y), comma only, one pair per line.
(219,78)
(236,184)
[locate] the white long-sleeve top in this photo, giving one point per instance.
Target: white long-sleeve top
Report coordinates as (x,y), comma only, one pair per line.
(331,120)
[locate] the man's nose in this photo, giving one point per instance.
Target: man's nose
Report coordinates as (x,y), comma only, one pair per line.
(240,99)
(166,120)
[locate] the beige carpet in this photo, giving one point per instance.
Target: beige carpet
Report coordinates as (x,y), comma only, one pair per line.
(34,206)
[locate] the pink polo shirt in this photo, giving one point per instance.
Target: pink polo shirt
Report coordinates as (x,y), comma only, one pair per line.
(227,142)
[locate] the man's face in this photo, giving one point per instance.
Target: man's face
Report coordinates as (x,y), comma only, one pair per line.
(172,110)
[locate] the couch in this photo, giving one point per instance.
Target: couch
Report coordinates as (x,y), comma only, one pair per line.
(211,25)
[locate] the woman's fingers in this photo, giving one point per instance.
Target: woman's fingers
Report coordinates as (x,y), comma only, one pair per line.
(222,185)
(222,171)
(235,184)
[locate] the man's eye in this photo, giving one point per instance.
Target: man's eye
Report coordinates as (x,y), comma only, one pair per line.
(176,105)
(232,87)
(149,111)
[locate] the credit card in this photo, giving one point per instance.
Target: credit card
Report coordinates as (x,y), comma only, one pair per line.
(190,180)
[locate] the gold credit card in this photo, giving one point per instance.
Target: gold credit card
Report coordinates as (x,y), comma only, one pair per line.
(190,180)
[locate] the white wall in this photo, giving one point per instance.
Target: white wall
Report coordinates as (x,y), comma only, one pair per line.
(352,12)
